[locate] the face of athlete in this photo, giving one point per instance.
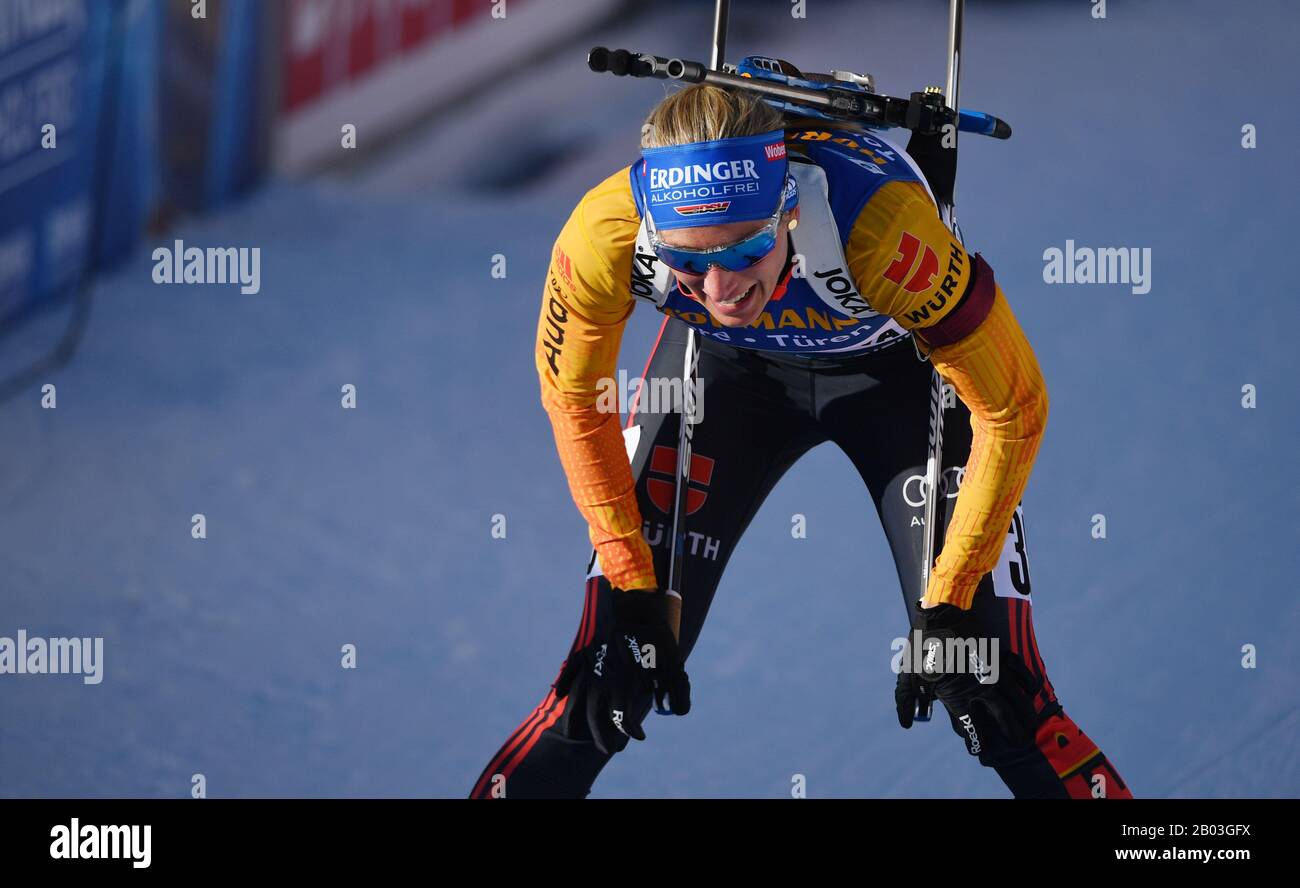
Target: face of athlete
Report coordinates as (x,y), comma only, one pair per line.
(733,298)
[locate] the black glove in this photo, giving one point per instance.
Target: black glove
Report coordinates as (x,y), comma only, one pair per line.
(913,697)
(991,716)
(636,657)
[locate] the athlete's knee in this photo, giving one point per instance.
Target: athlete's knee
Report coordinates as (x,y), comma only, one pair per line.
(987,740)
(998,722)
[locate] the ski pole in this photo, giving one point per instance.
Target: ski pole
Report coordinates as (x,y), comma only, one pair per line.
(934,461)
(690,370)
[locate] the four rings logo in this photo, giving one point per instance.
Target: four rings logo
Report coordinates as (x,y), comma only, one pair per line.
(949,483)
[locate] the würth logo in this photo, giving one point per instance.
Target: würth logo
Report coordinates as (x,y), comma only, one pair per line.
(663,461)
(909,249)
(775,152)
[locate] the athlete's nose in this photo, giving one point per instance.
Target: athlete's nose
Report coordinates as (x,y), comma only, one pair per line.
(723,284)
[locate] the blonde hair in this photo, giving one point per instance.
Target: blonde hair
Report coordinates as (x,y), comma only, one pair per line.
(703,112)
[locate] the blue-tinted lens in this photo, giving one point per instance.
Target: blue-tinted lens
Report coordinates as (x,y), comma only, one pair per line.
(736,257)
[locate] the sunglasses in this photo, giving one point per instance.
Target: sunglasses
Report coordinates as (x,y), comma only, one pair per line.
(744,253)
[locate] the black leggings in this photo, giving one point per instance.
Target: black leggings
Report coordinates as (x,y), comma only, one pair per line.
(760,414)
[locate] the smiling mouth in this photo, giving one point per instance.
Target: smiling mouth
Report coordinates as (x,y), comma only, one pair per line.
(731,303)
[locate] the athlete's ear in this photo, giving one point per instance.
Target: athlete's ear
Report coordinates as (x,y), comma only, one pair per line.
(793,218)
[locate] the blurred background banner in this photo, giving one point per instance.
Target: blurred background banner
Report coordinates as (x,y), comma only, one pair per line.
(204,106)
(52,60)
(381,64)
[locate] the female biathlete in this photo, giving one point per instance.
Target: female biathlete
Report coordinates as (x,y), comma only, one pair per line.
(814,267)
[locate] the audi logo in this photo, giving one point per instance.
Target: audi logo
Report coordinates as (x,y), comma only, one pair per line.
(914,490)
